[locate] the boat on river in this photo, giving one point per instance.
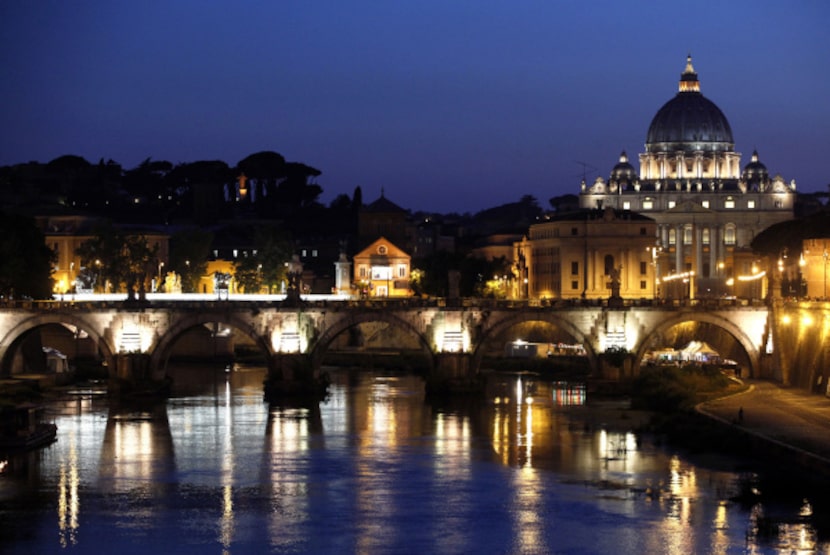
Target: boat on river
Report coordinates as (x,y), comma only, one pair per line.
(23,427)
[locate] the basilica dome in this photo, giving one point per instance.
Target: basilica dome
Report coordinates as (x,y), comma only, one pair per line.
(689,121)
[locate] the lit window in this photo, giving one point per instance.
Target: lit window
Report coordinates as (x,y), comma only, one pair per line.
(705,204)
(729,235)
(705,236)
(672,204)
(627,205)
(648,204)
(304,253)
(750,204)
(729,203)
(672,236)
(687,235)
(235,253)
(314,252)
(381,272)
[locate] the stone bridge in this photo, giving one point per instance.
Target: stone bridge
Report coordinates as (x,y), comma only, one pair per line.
(294,339)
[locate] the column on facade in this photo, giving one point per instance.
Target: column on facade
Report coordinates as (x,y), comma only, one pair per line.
(664,236)
(698,239)
(713,252)
(716,165)
(678,249)
(681,166)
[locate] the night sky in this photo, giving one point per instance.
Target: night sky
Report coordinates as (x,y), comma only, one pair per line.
(447,105)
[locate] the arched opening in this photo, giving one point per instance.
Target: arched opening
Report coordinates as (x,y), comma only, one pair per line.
(373,341)
(528,342)
(702,343)
(206,353)
(58,349)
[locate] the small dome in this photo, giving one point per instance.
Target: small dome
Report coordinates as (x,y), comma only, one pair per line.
(689,121)
(755,172)
(623,173)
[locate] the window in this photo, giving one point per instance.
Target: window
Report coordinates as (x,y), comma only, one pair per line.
(648,204)
(401,270)
(729,234)
(627,205)
(642,284)
(729,203)
(687,235)
(363,271)
(574,231)
(705,236)
(382,249)
(643,267)
(381,272)
(304,253)
(642,231)
(574,284)
(672,204)
(750,204)
(779,203)
(672,236)
(314,252)
(574,268)
(705,204)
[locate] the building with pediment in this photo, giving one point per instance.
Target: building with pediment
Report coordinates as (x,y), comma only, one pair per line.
(706,207)
(382,270)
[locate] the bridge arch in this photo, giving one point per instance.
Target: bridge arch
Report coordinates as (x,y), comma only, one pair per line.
(745,342)
(160,351)
(321,343)
(495,328)
(10,340)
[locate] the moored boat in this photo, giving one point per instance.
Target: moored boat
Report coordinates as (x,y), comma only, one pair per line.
(23,427)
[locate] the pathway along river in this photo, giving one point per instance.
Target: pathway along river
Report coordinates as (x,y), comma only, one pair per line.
(536,468)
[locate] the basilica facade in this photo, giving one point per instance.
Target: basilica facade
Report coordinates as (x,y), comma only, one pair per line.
(706,206)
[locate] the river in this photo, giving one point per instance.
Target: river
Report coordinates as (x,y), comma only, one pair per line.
(538,467)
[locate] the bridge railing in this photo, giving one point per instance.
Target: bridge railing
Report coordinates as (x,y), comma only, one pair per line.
(256,302)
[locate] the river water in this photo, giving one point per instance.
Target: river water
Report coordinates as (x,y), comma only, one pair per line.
(536,468)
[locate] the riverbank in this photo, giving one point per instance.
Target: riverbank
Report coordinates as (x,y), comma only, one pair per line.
(777,422)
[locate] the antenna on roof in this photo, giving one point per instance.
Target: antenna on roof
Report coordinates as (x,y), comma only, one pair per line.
(585,168)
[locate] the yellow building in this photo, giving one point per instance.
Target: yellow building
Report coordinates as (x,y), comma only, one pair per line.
(579,254)
(382,270)
(816,257)
(65,233)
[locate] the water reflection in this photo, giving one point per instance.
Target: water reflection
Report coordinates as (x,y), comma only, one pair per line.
(537,467)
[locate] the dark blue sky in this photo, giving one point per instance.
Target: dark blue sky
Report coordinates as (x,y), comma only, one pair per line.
(448,105)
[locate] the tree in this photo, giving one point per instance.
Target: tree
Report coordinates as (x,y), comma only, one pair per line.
(265,265)
(189,252)
(25,261)
(123,260)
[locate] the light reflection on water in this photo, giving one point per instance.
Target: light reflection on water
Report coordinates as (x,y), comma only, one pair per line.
(373,469)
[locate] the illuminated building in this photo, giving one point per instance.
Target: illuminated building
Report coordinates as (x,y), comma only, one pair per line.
(578,254)
(382,270)
(690,182)
(816,258)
